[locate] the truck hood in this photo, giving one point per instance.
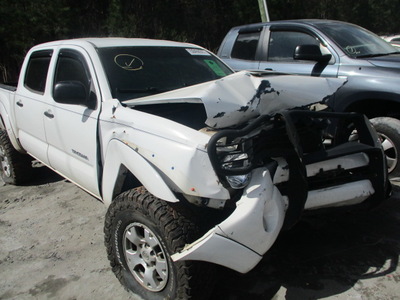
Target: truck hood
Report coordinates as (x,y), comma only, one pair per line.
(389,61)
(236,98)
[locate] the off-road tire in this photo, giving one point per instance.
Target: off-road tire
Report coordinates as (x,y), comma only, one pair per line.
(172,228)
(388,130)
(15,167)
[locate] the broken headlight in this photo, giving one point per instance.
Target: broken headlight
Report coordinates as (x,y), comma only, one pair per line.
(235,161)
(232,152)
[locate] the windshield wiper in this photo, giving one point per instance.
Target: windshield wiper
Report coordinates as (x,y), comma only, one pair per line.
(377,54)
(150,89)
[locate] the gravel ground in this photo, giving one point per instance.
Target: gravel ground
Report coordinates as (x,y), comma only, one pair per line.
(51,247)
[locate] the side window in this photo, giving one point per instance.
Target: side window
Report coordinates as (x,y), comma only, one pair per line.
(71,66)
(246,45)
(36,71)
(283,43)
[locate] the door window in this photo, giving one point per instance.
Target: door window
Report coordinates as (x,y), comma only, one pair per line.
(36,71)
(282,44)
(72,67)
(246,45)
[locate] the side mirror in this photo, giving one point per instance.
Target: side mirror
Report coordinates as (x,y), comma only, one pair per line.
(311,52)
(73,92)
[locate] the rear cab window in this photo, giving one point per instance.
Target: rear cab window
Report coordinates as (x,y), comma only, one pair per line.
(36,71)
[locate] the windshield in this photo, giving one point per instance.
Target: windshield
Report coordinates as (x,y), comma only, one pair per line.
(135,72)
(355,41)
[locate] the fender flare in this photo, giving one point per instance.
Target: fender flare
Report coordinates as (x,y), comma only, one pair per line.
(119,153)
(5,124)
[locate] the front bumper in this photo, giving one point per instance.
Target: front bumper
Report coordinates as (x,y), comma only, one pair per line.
(240,241)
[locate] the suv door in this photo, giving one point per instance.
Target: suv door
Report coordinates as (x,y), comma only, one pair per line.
(71,120)
(278,53)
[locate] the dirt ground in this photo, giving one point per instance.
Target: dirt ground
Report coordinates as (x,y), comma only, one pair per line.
(51,247)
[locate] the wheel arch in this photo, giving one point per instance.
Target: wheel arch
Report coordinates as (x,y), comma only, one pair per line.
(5,124)
(367,97)
(125,169)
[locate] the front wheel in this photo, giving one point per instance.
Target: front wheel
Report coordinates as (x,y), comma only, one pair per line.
(388,130)
(141,233)
(16,168)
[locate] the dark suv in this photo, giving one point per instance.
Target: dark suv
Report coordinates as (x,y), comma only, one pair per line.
(329,49)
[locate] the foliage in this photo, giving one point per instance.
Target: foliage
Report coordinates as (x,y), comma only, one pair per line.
(25,23)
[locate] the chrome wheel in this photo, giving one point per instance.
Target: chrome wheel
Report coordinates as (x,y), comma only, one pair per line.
(145,257)
(5,163)
(389,150)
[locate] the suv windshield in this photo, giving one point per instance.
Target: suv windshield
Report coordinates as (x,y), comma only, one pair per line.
(135,72)
(355,41)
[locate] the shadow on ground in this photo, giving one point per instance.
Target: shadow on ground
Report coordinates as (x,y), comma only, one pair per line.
(322,256)
(42,175)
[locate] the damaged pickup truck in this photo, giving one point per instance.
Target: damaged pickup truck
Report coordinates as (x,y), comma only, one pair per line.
(197,165)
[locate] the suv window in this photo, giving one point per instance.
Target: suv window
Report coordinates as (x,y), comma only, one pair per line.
(246,45)
(36,71)
(282,44)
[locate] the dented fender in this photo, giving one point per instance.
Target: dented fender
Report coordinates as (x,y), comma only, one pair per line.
(118,154)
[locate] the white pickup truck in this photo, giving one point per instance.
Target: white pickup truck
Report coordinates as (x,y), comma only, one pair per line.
(197,165)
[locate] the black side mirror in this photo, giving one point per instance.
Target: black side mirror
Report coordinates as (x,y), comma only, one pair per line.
(73,92)
(311,52)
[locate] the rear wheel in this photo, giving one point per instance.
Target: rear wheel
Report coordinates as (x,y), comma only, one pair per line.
(141,233)
(16,168)
(388,130)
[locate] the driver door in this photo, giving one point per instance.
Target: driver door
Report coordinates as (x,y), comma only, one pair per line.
(71,129)
(280,52)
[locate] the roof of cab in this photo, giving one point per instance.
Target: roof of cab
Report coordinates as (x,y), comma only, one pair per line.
(116,42)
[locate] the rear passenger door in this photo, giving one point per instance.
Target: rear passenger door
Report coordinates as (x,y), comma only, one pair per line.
(30,102)
(71,124)
(279,48)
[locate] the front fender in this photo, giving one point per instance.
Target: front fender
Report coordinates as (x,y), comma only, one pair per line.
(119,153)
(359,88)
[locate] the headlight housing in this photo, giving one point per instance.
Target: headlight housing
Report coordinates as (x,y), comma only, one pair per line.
(232,154)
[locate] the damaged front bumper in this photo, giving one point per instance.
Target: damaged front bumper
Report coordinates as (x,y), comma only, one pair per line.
(240,241)
(297,160)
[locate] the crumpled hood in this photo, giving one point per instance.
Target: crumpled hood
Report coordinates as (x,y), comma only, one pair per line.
(239,97)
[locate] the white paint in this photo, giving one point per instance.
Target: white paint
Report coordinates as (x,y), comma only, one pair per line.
(346,162)
(254,225)
(225,98)
(341,195)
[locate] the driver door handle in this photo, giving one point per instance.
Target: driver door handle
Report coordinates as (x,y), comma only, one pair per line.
(19,103)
